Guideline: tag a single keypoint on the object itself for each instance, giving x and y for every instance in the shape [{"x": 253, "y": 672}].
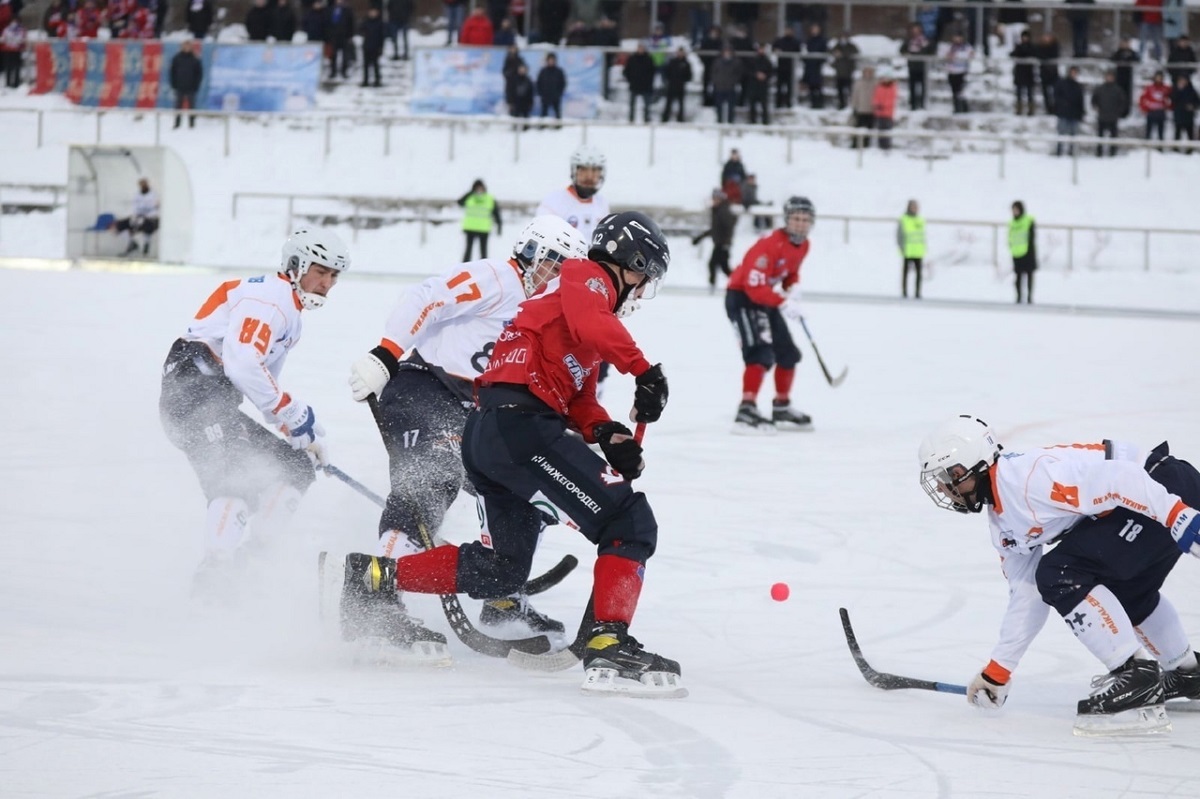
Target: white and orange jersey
[
  {"x": 1040, "y": 494},
  {"x": 583, "y": 215},
  {"x": 454, "y": 319},
  {"x": 250, "y": 325}
]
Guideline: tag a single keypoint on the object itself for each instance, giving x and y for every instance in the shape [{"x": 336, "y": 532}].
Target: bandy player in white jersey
[
  {"x": 581, "y": 203},
  {"x": 1120, "y": 520},
  {"x": 235, "y": 348},
  {"x": 436, "y": 341}
]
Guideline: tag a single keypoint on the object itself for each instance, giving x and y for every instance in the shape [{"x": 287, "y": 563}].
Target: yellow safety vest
[
  {"x": 478, "y": 213},
  {"x": 914, "y": 235},
  {"x": 1018, "y": 235}
]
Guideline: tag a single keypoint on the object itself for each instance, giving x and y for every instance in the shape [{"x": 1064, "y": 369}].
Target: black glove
[
  {"x": 651, "y": 395},
  {"x": 624, "y": 456}
]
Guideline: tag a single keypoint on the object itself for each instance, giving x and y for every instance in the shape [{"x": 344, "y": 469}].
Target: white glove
[
  {"x": 1186, "y": 531},
  {"x": 299, "y": 424},
  {"x": 791, "y": 308},
  {"x": 986, "y": 693},
  {"x": 368, "y": 375}
]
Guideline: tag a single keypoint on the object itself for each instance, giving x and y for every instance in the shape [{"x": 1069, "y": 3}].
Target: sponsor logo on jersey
[
  {"x": 610, "y": 476},
  {"x": 1107, "y": 619},
  {"x": 1034, "y": 532},
  {"x": 552, "y": 511},
  {"x": 577, "y": 491},
  {"x": 578, "y": 372},
  {"x": 573, "y": 221},
  {"x": 596, "y": 285},
  {"x": 1068, "y": 495}
]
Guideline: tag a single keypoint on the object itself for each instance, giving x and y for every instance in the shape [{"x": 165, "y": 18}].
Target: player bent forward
[
  {"x": 540, "y": 381},
  {"x": 1121, "y": 522}
]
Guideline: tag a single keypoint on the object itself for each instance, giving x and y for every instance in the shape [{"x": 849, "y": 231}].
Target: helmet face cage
[
  {"x": 793, "y": 220},
  {"x": 586, "y": 155},
  {"x": 961, "y": 449},
  {"x": 543, "y": 246}
]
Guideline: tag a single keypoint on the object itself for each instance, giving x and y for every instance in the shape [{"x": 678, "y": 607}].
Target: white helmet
[
  {"x": 307, "y": 247},
  {"x": 967, "y": 442},
  {"x": 541, "y": 248},
  {"x": 587, "y": 155}
]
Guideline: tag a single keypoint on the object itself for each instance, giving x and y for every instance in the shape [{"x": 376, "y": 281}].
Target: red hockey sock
[
  {"x": 783, "y": 384},
  {"x": 752, "y": 380},
  {"x": 432, "y": 572},
  {"x": 616, "y": 586}
]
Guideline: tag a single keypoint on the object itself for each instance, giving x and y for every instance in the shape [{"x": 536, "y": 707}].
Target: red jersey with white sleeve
[
  {"x": 558, "y": 339},
  {"x": 769, "y": 269},
  {"x": 250, "y": 325},
  {"x": 1040, "y": 494},
  {"x": 454, "y": 318}
]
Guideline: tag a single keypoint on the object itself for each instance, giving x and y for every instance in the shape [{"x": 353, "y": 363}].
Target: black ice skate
[
  {"x": 749, "y": 422},
  {"x": 1128, "y": 699},
  {"x": 1183, "y": 684},
  {"x": 516, "y": 608},
  {"x": 373, "y": 615},
  {"x": 786, "y": 417},
  {"x": 614, "y": 662}
]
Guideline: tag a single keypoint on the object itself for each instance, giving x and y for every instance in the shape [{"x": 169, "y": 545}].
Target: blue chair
[{"x": 103, "y": 222}]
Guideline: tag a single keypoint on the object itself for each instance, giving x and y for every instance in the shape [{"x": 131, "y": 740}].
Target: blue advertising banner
[
  {"x": 264, "y": 77},
  {"x": 111, "y": 74},
  {"x": 468, "y": 80}
]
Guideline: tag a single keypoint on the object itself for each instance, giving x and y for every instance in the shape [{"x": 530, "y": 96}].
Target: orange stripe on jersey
[
  {"x": 217, "y": 298},
  {"x": 1100, "y": 447},
  {"x": 996, "y": 673},
  {"x": 996, "y": 504},
  {"x": 392, "y": 347},
  {"x": 1179, "y": 506}
]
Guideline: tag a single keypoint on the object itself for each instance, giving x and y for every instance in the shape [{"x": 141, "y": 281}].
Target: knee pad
[
  {"x": 632, "y": 533},
  {"x": 1061, "y": 586},
  {"x": 483, "y": 574}
]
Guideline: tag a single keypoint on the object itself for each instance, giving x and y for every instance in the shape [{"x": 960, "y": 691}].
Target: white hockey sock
[
  {"x": 276, "y": 506},
  {"x": 397, "y": 544},
  {"x": 225, "y": 526},
  {"x": 1102, "y": 625},
  {"x": 1163, "y": 634}
]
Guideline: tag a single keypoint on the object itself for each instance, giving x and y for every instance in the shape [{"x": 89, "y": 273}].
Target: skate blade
[
  {"x": 651, "y": 685},
  {"x": 790, "y": 427},
  {"x": 551, "y": 661},
  {"x": 1136, "y": 721},
  {"x": 1184, "y": 705},
  {"x": 740, "y": 429},
  {"x": 381, "y": 652}
]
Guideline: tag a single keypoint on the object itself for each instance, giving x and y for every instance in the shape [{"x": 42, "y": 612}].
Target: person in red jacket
[
  {"x": 1155, "y": 102},
  {"x": 540, "y": 383},
  {"x": 756, "y": 301},
  {"x": 476, "y": 29}
]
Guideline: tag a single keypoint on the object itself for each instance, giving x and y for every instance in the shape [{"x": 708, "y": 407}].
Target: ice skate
[
  {"x": 1181, "y": 688},
  {"x": 785, "y": 417},
  {"x": 749, "y": 422},
  {"x": 615, "y": 663},
  {"x": 374, "y": 618},
  {"x": 1126, "y": 701},
  {"x": 515, "y": 609}
]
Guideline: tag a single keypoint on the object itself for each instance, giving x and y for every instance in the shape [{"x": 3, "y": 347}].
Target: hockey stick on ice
[
  {"x": 890, "y": 682},
  {"x": 543, "y": 582},
  {"x": 829, "y": 378}
]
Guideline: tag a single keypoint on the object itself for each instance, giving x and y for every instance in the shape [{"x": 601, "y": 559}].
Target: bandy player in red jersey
[
  {"x": 539, "y": 383},
  {"x": 756, "y": 301}
]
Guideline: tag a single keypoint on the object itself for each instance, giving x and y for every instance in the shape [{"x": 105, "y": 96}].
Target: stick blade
[
  {"x": 883, "y": 680},
  {"x": 837, "y": 381}
]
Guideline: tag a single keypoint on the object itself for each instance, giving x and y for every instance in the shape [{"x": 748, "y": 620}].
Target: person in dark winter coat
[
  {"x": 512, "y": 60},
  {"x": 1184, "y": 101},
  {"x": 678, "y": 74},
  {"x": 758, "y": 86},
  {"x": 710, "y": 48},
  {"x": 639, "y": 72},
  {"x": 187, "y": 73},
  {"x": 341, "y": 38},
  {"x": 1111, "y": 103},
  {"x": 1047, "y": 53},
  {"x": 1069, "y": 107},
  {"x": 1181, "y": 60},
  {"x": 518, "y": 93},
  {"x": 720, "y": 229},
  {"x": 1125, "y": 57},
  {"x": 816, "y": 52},
  {"x": 551, "y": 85},
  {"x": 399, "y": 15},
  {"x": 283, "y": 21},
  {"x": 258, "y": 21},
  {"x": 845, "y": 61},
  {"x": 916, "y": 45},
  {"x": 785, "y": 48},
  {"x": 200, "y": 17},
  {"x": 373, "y": 35},
  {"x": 1024, "y": 56},
  {"x": 726, "y": 76}
]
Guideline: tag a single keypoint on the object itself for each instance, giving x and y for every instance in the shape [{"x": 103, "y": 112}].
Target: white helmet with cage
[
  {"x": 306, "y": 247},
  {"x": 541, "y": 248},
  {"x": 959, "y": 449},
  {"x": 587, "y": 155}
]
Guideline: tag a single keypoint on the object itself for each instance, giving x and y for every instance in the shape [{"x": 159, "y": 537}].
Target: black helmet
[
  {"x": 633, "y": 241},
  {"x": 795, "y": 205}
]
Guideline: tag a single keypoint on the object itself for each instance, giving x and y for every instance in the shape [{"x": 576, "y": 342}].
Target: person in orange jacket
[{"x": 884, "y": 103}]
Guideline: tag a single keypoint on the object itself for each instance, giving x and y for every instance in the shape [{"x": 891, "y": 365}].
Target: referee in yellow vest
[
  {"x": 479, "y": 212},
  {"x": 910, "y": 236},
  {"x": 1022, "y": 243}
]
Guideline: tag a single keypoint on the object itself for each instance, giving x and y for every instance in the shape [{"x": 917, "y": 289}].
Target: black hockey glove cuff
[
  {"x": 650, "y": 397},
  {"x": 624, "y": 456},
  {"x": 387, "y": 359}
]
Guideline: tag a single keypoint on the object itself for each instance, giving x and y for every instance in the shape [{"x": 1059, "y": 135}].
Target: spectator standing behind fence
[
  {"x": 1124, "y": 58},
  {"x": 480, "y": 210},
  {"x": 518, "y": 93},
  {"x": 910, "y": 238},
  {"x": 476, "y": 30},
  {"x": 720, "y": 228},
  {"x": 1184, "y": 101},
  {"x": 455, "y": 12},
  {"x": 1069, "y": 108},
  {"x": 315, "y": 23},
  {"x": 786, "y": 47},
  {"x": 283, "y": 22},
  {"x": 200, "y": 15},
  {"x": 1023, "y": 57},
  {"x": 1022, "y": 244},
  {"x": 1111, "y": 103},
  {"x": 1148, "y": 16},
  {"x": 341, "y": 38},
  {"x": 1181, "y": 59},
  {"x": 512, "y": 60},
  {"x": 758, "y": 86},
  {"x": 958, "y": 63},
  {"x": 505, "y": 34},
  {"x": 639, "y": 72},
  {"x": 399, "y": 13},
  {"x": 726, "y": 76},
  {"x": 552, "y": 18},
  {"x": 258, "y": 21},
  {"x": 710, "y": 49},
  {"x": 1081, "y": 22},
  {"x": 862, "y": 105},
  {"x": 88, "y": 21},
  {"x": 373, "y": 35},
  {"x": 816, "y": 52},
  {"x": 186, "y": 74},
  {"x": 12, "y": 46},
  {"x": 1048, "y": 53},
  {"x": 845, "y": 60},
  {"x": 915, "y": 44},
  {"x": 677, "y": 75},
  {"x": 883, "y": 104},
  {"x": 551, "y": 86},
  {"x": 733, "y": 175},
  {"x": 1154, "y": 102}
]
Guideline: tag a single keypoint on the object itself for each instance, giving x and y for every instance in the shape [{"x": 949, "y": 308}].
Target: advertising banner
[
  {"x": 468, "y": 80},
  {"x": 263, "y": 77},
  {"x": 111, "y": 74}
]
